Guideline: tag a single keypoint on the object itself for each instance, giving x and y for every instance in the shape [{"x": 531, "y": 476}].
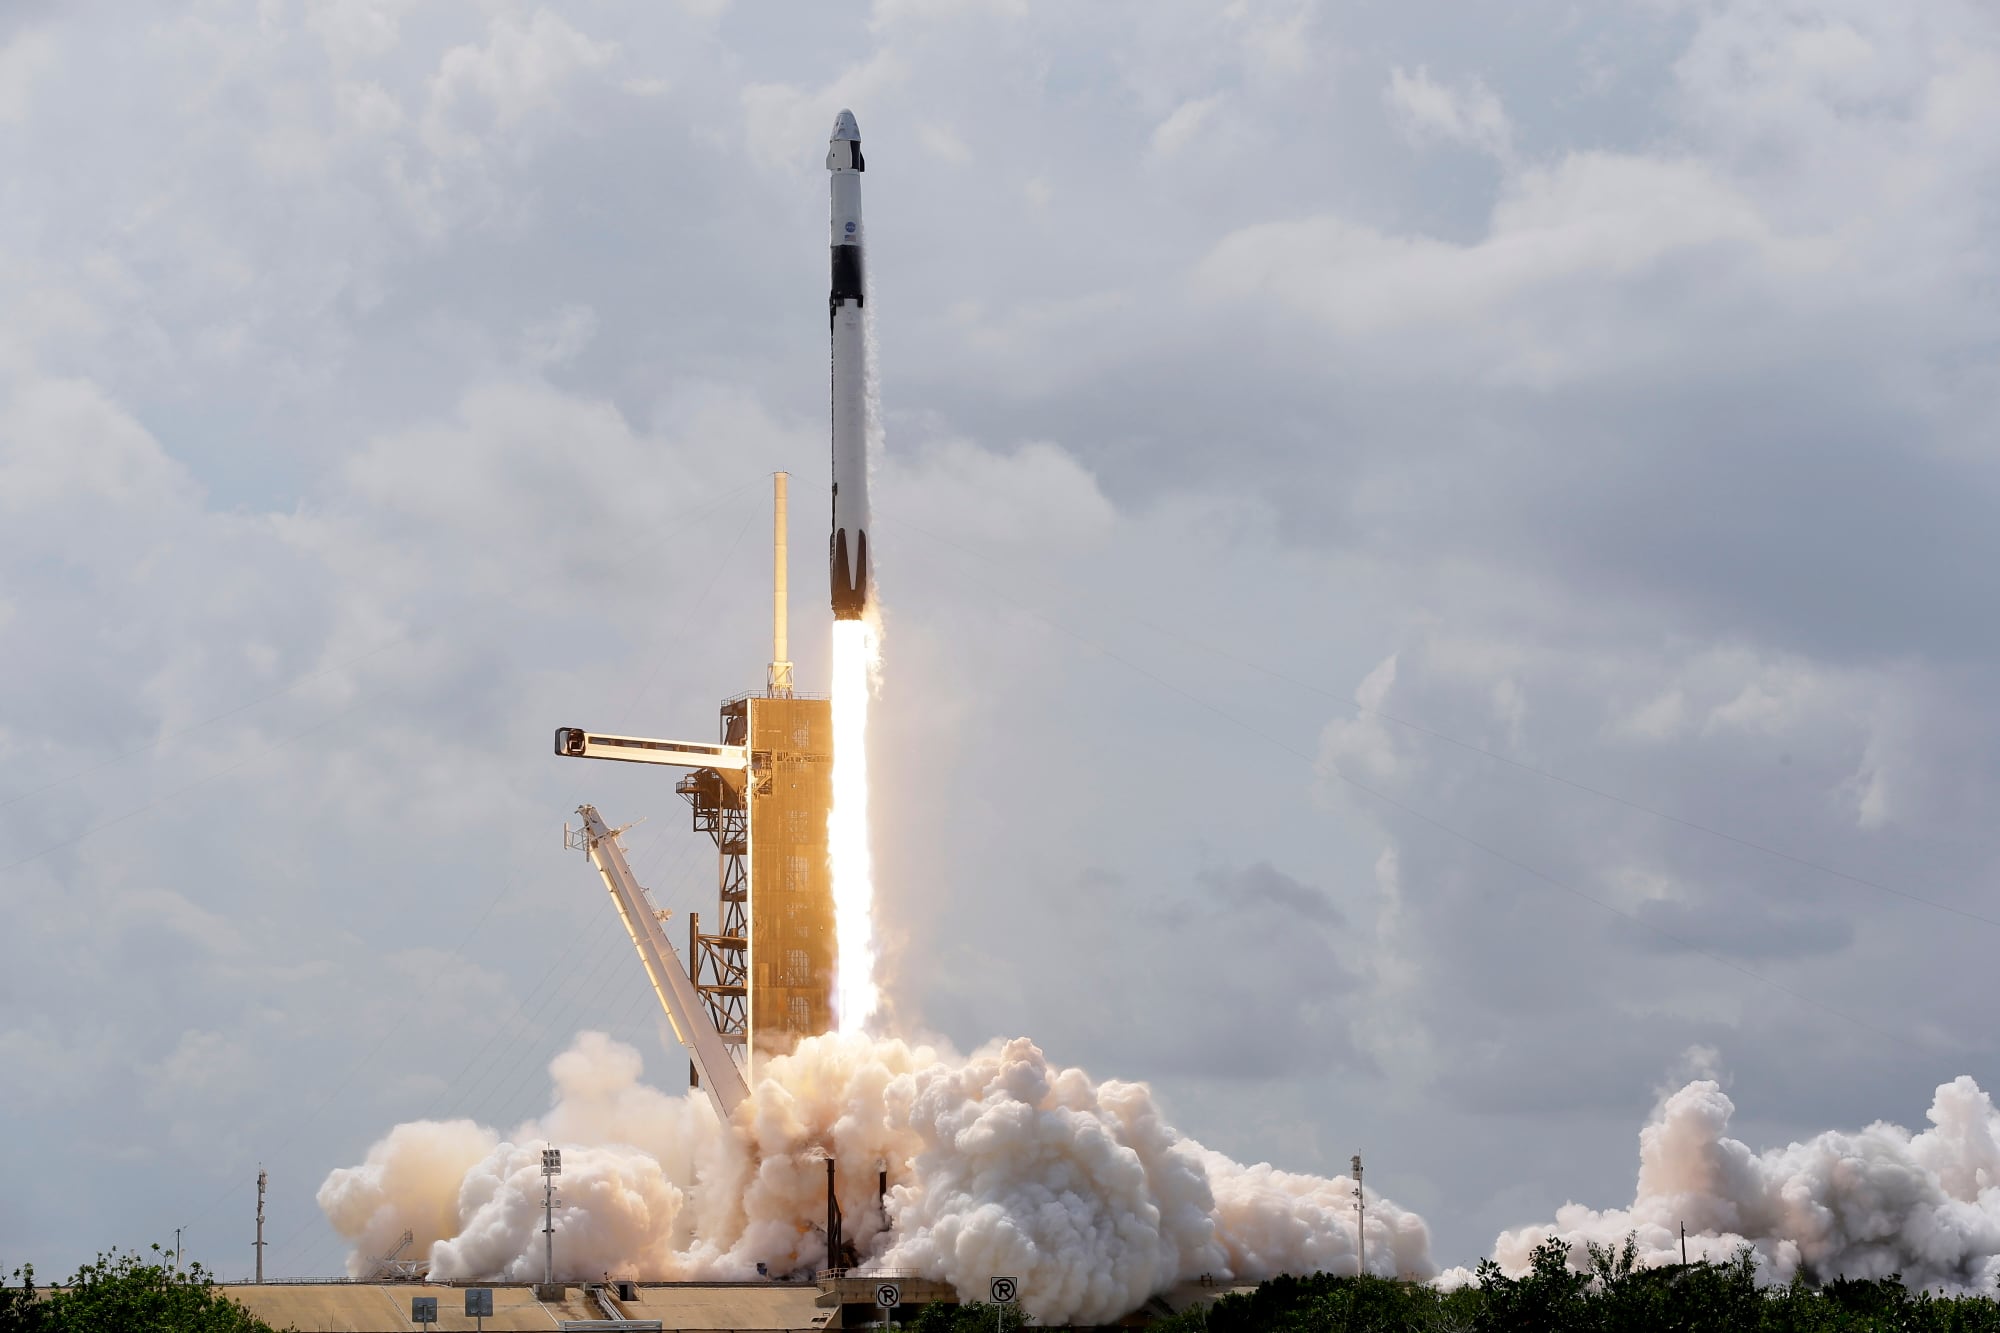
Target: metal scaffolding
[{"x": 722, "y": 961}]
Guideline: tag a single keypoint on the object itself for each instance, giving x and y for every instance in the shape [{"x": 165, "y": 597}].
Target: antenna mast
[
  {"x": 1360, "y": 1223},
  {"x": 779, "y": 681},
  {"x": 260, "y": 1224}
]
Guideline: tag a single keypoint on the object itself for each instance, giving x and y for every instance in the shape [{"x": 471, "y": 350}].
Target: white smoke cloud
[
  {"x": 1861, "y": 1204},
  {"x": 468, "y": 1197},
  {"x": 409, "y": 1182},
  {"x": 1000, "y": 1162}
]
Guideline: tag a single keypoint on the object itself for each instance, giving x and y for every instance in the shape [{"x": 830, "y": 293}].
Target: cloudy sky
[{"x": 1440, "y": 561}]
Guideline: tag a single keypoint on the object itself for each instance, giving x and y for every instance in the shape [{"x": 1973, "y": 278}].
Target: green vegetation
[
  {"x": 971, "y": 1317},
  {"x": 1616, "y": 1296},
  {"x": 126, "y": 1293}
]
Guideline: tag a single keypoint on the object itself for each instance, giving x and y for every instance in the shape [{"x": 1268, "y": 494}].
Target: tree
[
  {"x": 971, "y": 1317},
  {"x": 18, "y": 1307},
  {"x": 129, "y": 1293},
  {"x": 1614, "y": 1294}
]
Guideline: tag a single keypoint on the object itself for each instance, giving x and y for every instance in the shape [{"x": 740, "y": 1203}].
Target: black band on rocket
[{"x": 847, "y": 275}]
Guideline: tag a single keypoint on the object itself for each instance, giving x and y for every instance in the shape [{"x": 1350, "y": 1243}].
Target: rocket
[{"x": 847, "y": 551}]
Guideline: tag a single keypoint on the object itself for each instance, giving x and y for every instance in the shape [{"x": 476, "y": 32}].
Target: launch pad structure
[
  {"x": 763, "y": 794},
  {"x": 768, "y": 973}
]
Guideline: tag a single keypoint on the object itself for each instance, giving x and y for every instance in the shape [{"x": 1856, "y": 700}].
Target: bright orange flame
[{"x": 855, "y": 658}]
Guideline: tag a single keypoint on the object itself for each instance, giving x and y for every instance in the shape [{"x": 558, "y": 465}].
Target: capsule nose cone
[{"x": 845, "y": 129}]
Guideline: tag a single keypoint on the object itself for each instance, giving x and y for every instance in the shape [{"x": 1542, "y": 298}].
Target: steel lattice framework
[
  {"x": 721, "y": 961},
  {"x": 766, "y": 978}
]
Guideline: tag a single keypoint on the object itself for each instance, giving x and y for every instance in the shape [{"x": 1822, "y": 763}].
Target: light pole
[{"x": 551, "y": 1168}]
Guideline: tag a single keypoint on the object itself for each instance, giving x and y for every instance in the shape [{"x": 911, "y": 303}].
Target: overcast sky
[{"x": 1439, "y": 560}]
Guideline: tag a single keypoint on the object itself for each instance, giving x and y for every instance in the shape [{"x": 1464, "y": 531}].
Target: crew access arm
[{"x": 677, "y": 994}]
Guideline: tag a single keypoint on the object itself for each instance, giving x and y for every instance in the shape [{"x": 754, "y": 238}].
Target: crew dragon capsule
[{"x": 848, "y": 550}]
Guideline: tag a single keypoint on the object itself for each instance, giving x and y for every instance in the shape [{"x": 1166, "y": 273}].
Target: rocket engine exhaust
[{"x": 855, "y": 659}]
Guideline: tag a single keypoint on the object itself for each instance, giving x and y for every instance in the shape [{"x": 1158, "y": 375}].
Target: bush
[
  {"x": 127, "y": 1293},
  {"x": 1613, "y": 1295}
]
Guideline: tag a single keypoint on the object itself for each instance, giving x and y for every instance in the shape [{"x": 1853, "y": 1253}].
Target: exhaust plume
[
  {"x": 1000, "y": 1162},
  {"x": 857, "y": 669},
  {"x": 1859, "y": 1204},
  {"x": 856, "y": 659}
]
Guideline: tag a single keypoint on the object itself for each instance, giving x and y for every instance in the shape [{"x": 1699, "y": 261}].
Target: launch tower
[
  {"x": 768, "y": 974},
  {"x": 765, "y": 978}
]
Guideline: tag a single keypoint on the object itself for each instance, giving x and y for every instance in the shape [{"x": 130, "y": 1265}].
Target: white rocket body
[{"x": 848, "y": 550}]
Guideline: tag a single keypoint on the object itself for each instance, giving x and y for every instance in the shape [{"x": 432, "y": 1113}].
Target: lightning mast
[{"x": 778, "y": 681}]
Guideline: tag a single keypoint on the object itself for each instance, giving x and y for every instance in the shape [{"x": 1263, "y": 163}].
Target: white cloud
[
  {"x": 1768, "y": 702},
  {"x": 1873, "y": 804},
  {"x": 1184, "y": 125},
  {"x": 1277, "y": 35},
  {"x": 1601, "y": 219},
  {"x": 1364, "y": 747},
  {"x": 65, "y": 446},
  {"x": 58, "y": 1066},
  {"x": 559, "y": 338},
  {"x": 518, "y": 72},
  {"x": 1469, "y": 115},
  {"x": 368, "y": 109},
  {"x": 1037, "y": 495},
  {"x": 941, "y": 141},
  {"x": 783, "y": 122},
  {"x": 1660, "y": 717},
  {"x": 354, "y": 29},
  {"x": 889, "y": 13},
  {"x": 201, "y": 1065},
  {"x": 162, "y": 912},
  {"x": 24, "y": 61}
]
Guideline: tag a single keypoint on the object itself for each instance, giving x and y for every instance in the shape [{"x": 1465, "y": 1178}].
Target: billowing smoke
[
  {"x": 998, "y": 1163},
  {"x": 1864, "y": 1204},
  {"x": 469, "y": 1196}
]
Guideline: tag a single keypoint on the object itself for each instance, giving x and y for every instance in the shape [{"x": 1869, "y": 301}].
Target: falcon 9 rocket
[{"x": 848, "y": 550}]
